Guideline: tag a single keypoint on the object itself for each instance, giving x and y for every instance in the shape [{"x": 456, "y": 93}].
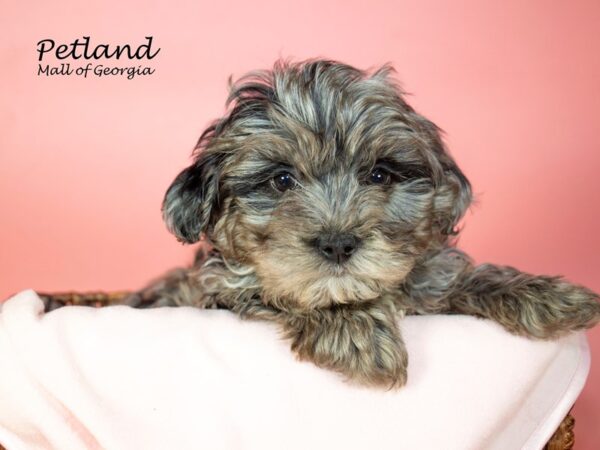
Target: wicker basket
[{"x": 562, "y": 439}]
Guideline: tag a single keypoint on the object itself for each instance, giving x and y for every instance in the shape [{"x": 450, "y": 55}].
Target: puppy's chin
[{"x": 309, "y": 284}]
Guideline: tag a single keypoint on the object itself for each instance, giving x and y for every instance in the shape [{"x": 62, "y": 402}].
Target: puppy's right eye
[
  {"x": 283, "y": 181},
  {"x": 379, "y": 176}
]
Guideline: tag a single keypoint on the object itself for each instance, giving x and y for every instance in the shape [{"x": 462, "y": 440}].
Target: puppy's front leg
[
  {"x": 537, "y": 306},
  {"x": 361, "y": 341}
]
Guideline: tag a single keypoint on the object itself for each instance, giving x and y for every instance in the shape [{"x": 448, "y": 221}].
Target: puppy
[{"x": 330, "y": 206}]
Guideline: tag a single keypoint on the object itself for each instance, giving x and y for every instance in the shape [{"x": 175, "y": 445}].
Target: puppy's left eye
[
  {"x": 379, "y": 176},
  {"x": 283, "y": 181}
]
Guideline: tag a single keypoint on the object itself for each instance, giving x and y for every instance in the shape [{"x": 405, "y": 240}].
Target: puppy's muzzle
[{"x": 337, "y": 247}]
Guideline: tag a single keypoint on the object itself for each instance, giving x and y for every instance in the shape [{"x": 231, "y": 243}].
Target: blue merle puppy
[{"x": 328, "y": 205}]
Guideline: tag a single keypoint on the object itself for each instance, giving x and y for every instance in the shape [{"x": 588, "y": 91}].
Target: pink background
[{"x": 84, "y": 163}]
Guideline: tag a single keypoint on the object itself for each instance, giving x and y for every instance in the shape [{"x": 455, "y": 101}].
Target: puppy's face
[{"x": 323, "y": 181}]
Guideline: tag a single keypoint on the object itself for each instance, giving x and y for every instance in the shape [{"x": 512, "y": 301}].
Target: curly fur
[{"x": 329, "y": 125}]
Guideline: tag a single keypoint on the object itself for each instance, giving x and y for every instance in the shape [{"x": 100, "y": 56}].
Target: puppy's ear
[
  {"x": 192, "y": 199},
  {"x": 453, "y": 190},
  {"x": 454, "y": 199}
]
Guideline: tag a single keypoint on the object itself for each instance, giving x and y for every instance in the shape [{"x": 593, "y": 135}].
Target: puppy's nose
[{"x": 337, "y": 248}]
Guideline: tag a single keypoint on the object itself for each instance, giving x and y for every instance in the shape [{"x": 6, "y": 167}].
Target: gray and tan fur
[{"x": 330, "y": 206}]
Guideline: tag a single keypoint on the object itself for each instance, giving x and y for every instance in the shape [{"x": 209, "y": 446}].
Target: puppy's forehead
[{"x": 325, "y": 123}]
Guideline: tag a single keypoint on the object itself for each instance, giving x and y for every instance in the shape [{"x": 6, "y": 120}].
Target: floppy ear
[
  {"x": 192, "y": 199},
  {"x": 453, "y": 189},
  {"x": 460, "y": 197}
]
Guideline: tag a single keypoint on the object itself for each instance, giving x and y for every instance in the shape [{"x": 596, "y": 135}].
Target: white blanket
[{"x": 182, "y": 378}]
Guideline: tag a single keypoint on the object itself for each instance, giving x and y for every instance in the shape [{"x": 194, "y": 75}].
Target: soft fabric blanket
[{"x": 182, "y": 378}]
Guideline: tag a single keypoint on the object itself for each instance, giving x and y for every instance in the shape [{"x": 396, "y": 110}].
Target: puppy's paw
[
  {"x": 360, "y": 342},
  {"x": 567, "y": 307},
  {"x": 540, "y": 307},
  {"x": 549, "y": 307}
]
